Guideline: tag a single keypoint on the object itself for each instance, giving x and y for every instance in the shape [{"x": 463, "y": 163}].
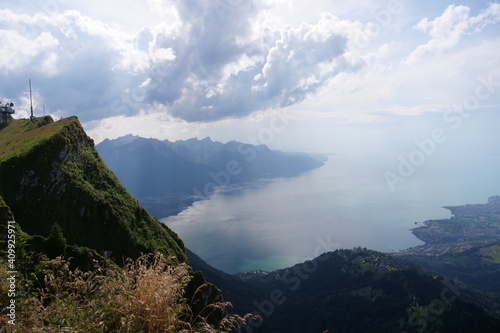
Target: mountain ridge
[
  {"x": 62, "y": 195},
  {"x": 353, "y": 290},
  {"x": 81, "y": 248},
  {"x": 55, "y": 168},
  {"x": 169, "y": 176}
]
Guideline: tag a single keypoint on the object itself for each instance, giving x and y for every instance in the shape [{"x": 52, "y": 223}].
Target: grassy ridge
[
  {"x": 20, "y": 136},
  {"x": 51, "y": 173},
  {"x": 72, "y": 215}
]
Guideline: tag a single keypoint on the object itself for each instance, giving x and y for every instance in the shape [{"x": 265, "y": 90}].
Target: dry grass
[{"x": 146, "y": 296}]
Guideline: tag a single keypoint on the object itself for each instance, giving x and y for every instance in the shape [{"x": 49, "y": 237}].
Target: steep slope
[
  {"x": 236, "y": 291},
  {"x": 356, "y": 290},
  {"x": 51, "y": 173},
  {"x": 5, "y": 213},
  {"x": 154, "y": 173},
  {"x": 168, "y": 176},
  {"x": 147, "y": 167},
  {"x": 363, "y": 291}
]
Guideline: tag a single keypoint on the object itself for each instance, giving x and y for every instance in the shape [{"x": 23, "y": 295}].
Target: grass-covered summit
[
  {"x": 71, "y": 215},
  {"x": 51, "y": 173}
]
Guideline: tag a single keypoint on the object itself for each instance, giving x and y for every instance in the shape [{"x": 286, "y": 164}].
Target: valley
[{"x": 87, "y": 249}]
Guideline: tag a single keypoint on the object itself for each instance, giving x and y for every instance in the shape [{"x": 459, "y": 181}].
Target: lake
[{"x": 343, "y": 204}]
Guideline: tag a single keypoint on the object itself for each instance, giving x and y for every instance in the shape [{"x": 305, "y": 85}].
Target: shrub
[{"x": 147, "y": 295}]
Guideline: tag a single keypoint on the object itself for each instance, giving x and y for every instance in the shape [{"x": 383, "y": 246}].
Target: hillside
[
  {"x": 465, "y": 247},
  {"x": 76, "y": 238},
  {"x": 356, "y": 291},
  {"x": 51, "y": 173},
  {"x": 168, "y": 176},
  {"x": 65, "y": 201}
]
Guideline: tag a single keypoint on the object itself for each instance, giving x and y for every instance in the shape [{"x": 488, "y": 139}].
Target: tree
[{"x": 56, "y": 242}]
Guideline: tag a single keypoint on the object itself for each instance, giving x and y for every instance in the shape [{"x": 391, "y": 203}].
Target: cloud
[
  {"x": 490, "y": 15},
  {"x": 221, "y": 74},
  {"x": 19, "y": 51},
  {"x": 447, "y": 30},
  {"x": 214, "y": 60},
  {"x": 206, "y": 60},
  {"x": 76, "y": 63}
]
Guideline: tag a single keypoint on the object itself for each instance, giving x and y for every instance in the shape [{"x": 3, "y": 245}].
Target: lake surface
[{"x": 343, "y": 204}]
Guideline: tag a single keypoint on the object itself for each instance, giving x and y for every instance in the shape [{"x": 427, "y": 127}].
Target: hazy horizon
[
  {"x": 342, "y": 204},
  {"x": 293, "y": 76},
  {"x": 406, "y": 91}
]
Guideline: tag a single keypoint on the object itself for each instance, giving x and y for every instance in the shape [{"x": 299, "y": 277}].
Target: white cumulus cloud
[{"x": 447, "y": 30}]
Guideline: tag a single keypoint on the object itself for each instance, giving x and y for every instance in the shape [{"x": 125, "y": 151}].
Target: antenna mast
[{"x": 31, "y": 101}]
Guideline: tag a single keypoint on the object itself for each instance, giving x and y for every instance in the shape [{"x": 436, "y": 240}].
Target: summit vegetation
[
  {"x": 88, "y": 257},
  {"x": 51, "y": 173}
]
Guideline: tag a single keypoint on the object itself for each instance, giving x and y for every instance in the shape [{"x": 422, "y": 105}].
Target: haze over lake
[{"x": 343, "y": 204}]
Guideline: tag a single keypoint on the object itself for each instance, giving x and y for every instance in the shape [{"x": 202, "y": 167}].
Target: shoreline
[{"x": 470, "y": 225}]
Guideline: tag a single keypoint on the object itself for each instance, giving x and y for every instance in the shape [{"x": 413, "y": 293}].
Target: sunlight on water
[{"x": 344, "y": 204}]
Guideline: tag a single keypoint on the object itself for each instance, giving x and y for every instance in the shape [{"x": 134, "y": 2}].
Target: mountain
[
  {"x": 78, "y": 253},
  {"x": 253, "y": 162},
  {"x": 65, "y": 205},
  {"x": 148, "y": 166},
  {"x": 168, "y": 176},
  {"x": 356, "y": 290},
  {"x": 51, "y": 174}
]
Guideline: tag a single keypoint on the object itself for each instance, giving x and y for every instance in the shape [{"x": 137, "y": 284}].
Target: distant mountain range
[
  {"x": 58, "y": 198},
  {"x": 62, "y": 213},
  {"x": 168, "y": 176}
]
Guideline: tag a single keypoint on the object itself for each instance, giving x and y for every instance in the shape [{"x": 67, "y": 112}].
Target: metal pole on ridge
[{"x": 31, "y": 101}]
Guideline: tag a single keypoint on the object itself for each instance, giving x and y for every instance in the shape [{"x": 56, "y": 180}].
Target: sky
[{"x": 295, "y": 75}]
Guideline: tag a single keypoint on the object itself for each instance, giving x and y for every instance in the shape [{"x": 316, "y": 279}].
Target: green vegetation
[
  {"x": 491, "y": 254},
  {"x": 55, "y": 243},
  {"x": 5, "y": 213},
  {"x": 80, "y": 268},
  {"x": 469, "y": 226},
  {"x": 20, "y": 136},
  {"x": 356, "y": 290},
  {"x": 79, "y": 236},
  {"x": 478, "y": 266},
  {"x": 464, "y": 247},
  {"x": 361, "y": 290},
  {"x": 51, "y": 172},
  {"x": 147, "y": 295}
]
